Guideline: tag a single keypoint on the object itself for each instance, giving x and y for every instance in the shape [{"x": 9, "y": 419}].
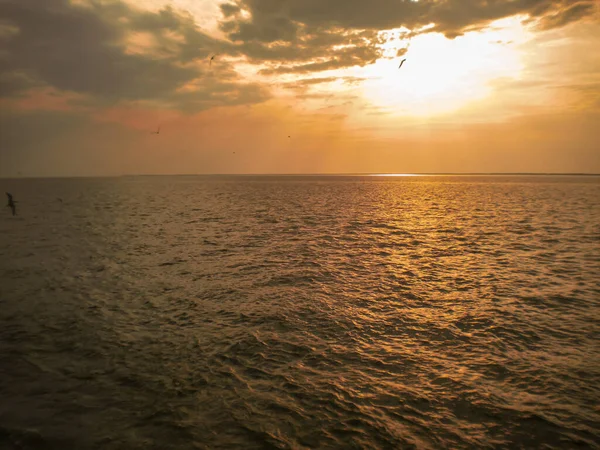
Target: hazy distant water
[{"x": 249, "y": 312}]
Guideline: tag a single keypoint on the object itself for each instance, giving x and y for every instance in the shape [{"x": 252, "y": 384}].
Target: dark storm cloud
[
  {"x": 298, "y": 31},
  {"x": 83, "y": 49}
]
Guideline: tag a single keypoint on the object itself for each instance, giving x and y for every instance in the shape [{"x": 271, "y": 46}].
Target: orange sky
[{"x": 502, "y": 86}]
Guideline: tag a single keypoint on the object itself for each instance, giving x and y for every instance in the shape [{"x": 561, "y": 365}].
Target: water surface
[{"x": 301, "y": 312}]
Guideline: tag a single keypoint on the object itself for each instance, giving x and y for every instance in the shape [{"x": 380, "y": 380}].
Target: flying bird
[
  {"x": 156, "y": 132},
  {"x": 11, "y": 204},
  {"x": 211, "y": 59},
  {"x": 401, "y": 62}
]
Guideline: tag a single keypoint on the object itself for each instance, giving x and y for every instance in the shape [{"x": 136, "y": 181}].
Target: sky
[{"x": 298, "y": 86}]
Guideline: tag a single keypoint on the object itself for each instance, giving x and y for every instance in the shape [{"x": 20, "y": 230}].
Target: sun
[{"x": 441, "y": 75}]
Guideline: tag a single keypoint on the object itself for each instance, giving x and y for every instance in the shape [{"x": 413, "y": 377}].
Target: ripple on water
[{"x": 301, "y": 313}]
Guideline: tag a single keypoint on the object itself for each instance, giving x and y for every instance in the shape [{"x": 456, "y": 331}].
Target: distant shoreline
[{"x": 391, "y": 175}]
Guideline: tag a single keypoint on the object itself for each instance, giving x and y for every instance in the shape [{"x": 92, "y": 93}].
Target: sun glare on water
[
  {"x": 442, "y": 75},
  {"x": 396, "y": 175}
]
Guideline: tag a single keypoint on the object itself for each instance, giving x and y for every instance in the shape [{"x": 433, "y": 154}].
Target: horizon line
[{"x": 327, "y": 174}]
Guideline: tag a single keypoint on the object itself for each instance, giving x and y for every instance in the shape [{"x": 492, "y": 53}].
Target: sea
[{"x": 301, "y": 312}]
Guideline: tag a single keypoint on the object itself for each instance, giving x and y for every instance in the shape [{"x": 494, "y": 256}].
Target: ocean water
[{"x": 434, "y": 312}]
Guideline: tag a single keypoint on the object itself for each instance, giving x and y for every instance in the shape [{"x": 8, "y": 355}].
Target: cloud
[
  {"x": 112, "y": 52},
  {"x": 304, "y": 88},
  {"x": 15, "y": 83},
  {"x": 310, "y": 45},
  {"x": 345, "y": 80},
  {"x": 229, "y": 10},
  {"x": 318, "y": 15},
  {"x": 346, "y": 58},
  {"x": 315, "y": 35},
  {"x": 567, "y": 15}
]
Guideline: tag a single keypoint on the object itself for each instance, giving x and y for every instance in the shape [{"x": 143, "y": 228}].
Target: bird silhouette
[
  {"x": 211, "y": 59},
  {"x": 401, "y": 62},
  {"x": 156, "y": 132},
  {"x": 11, "y": 204}
]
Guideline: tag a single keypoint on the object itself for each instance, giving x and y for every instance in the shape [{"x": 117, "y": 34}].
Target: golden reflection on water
[
  {"x": 333, "y": 313},
  {"x": 396, "y": 175}
]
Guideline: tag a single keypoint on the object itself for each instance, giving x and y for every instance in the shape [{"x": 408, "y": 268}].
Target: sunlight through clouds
[
  {"x": 441, "y": 75},
  {"x": 325, "y": 72}
]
